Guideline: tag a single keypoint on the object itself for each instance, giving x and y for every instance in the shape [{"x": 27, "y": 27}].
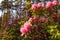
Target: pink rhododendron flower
[
  {"x": 39, "y": 5},
  {"x": 44, "y": 20},
  {"x": 17, "y": 19},
  {"x": 23, "y": 31},
  {"x": 27, "y": 26},
  {"x": 49, "y": 4},
  {"x": 55, "y": 3},
  {"x": 10, "y": 23},
  {"x": 55, "y": 0},
  {"x": 54, "y": 16},
  {"x": 14, "y": 24},
  {"x": 34, "y": 7},
  {"x": 31, "y": 19}
]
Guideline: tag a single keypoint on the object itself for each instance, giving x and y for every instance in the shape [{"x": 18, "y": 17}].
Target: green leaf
[{"x": 52, "y": 26}]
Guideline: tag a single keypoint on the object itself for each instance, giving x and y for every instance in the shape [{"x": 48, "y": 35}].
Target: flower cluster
[
  {"x": 11, "y": 24},
  {"x": 48, "y": 5},
  {"x": 36, "y": 6},
  {"x": 36, "y": 28},
  {"x": 24, "y": 30},
  {"x": 41, "y": 20},
  {"x": 16, "y": 19},
  {"x": 54, "y": 16}
]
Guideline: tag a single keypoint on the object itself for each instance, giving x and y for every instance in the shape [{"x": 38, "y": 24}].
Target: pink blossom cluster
[
  {"x": 54, "y": 16},
  {"x": 11, "y": 24},
  {"x": 36, "y": 20},
  {"x": 33, "y": 19},
  {"x": 44, "y": 20},
  {"x": 41, "y": 20},
  {"x": 24, "y": 30},
  {"x": 16, "y": 19},
  {"x": 36, "y": 6},
  {"x": 48, "y": 5}
]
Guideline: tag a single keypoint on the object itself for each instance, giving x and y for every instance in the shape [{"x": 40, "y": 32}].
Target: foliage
[{"x": 44, "y": 24}]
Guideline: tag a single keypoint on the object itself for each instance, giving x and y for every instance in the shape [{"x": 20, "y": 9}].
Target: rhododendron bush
[{"x": 44, "y": 24}]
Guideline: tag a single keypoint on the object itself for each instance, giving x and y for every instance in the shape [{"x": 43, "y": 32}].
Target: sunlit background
[
  {"x": 1, "y": 10},
  {"x": 13, "y": 11}
]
